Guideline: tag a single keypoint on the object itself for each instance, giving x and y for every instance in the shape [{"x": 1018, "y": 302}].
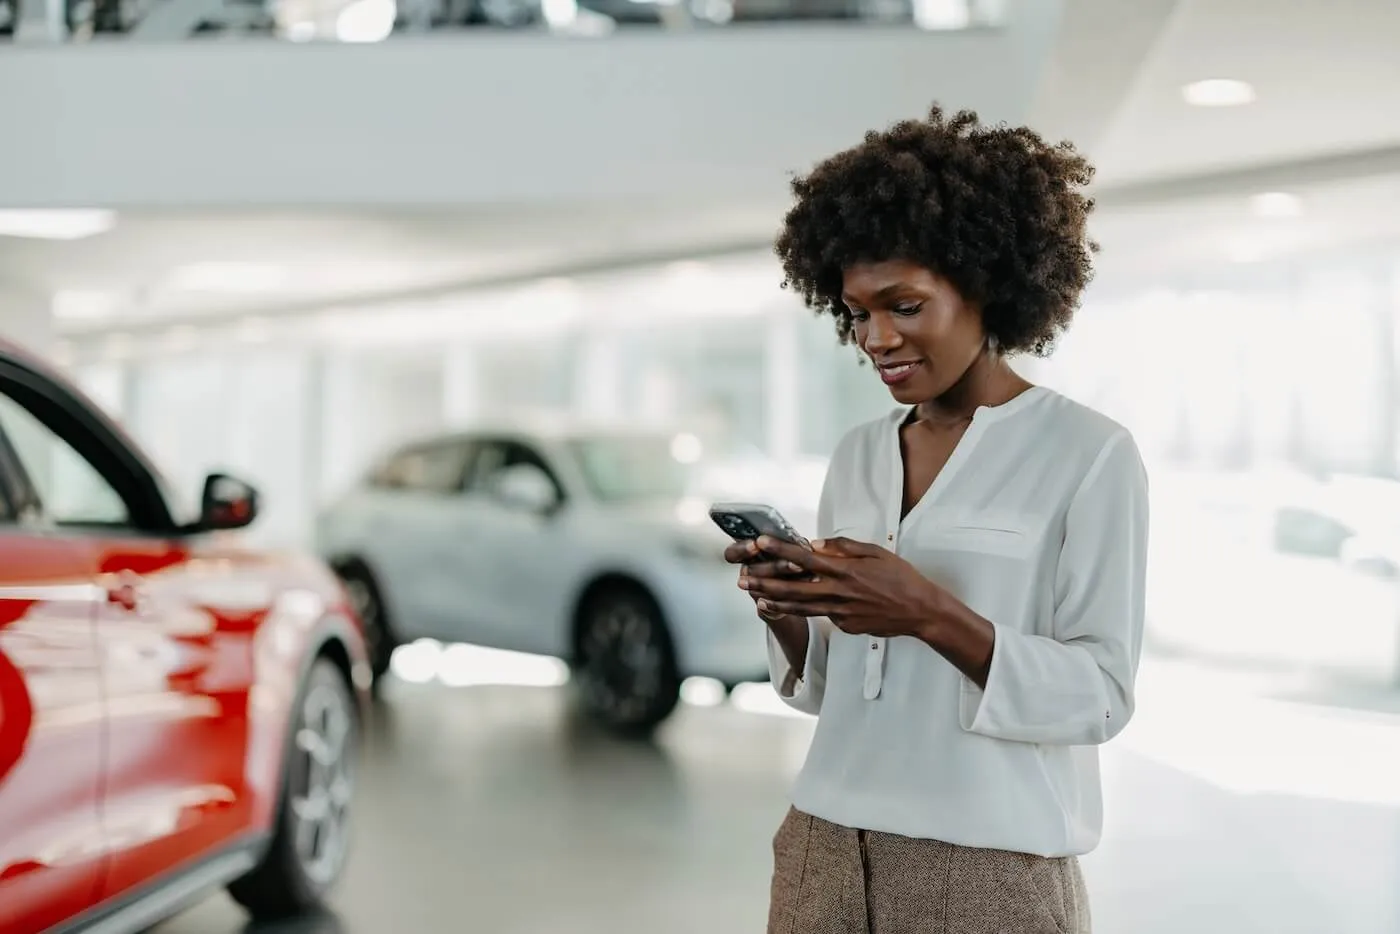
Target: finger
[
  {"x": 774, "y": 569},
  {"x": 847, "y": 547},
  {"x": 741, "y": 552},
  {"x": 790, "y": 589},
  {"x": 802, "y": 557},
  {"x": 768, "y": 612},
  {"x": 790, "y": 608}
]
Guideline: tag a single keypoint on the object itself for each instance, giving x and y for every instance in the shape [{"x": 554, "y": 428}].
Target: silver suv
[{"x": 590, "y": 545}]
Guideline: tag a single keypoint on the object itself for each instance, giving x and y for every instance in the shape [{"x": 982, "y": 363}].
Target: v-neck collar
[{"x": 981, "y": 418}]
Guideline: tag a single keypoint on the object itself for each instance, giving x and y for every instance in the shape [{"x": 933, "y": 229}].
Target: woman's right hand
[{"x": 754, "y": 563}]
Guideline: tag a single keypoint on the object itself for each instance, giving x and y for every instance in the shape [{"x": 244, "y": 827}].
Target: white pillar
[
  {"x": 782, "y": 389},
  {"x": 461, "y": 385},
  {"x": 346, "y": 436},
  {"x": 26, "y": 319},
  {"x": 598, "y": 387}
]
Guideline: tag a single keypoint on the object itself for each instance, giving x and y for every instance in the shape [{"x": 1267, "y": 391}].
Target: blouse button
[
  {"x": 874, "y": 645},
  {"x": 889, "y": 537}
]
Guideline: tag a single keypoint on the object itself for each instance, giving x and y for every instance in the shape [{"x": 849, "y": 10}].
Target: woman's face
[{"x": 916, "y": 328}]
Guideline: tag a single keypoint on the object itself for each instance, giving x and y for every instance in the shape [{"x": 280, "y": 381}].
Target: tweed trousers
[{"x": 829, "y": 879}]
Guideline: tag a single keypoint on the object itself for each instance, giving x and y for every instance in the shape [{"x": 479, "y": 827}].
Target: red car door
[
  {"x": 179, "y": 669},
  {"x": 53, "y": 844},
  {"x": 175, "y": 682}
]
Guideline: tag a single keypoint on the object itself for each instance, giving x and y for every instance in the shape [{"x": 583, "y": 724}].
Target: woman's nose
[{"x": 881, "y": 334}]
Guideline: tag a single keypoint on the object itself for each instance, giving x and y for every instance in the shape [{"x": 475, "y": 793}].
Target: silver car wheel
[
  {"x": 625, "y": 669},
  {"x": 320, "y": 809}
]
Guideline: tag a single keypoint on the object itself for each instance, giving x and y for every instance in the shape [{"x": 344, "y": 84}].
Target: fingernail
[
  {"x": 743, "y": 583},
  {"x": 794, "y": 567},
  {"x": 762, "y": 605},
  {"x": 818, "y": 543},
  {"x": 764, "y": 541}
]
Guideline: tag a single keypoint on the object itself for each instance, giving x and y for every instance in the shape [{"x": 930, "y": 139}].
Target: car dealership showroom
[{"x": 387, "y": 388}]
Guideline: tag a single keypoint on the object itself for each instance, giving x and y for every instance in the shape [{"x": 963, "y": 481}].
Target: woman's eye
[
  {"x": 907, "y": 310},
  {"x": 859, "y": 315}
]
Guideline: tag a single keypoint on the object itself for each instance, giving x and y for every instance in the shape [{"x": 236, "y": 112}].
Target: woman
[{"x": 967, "y": 629}]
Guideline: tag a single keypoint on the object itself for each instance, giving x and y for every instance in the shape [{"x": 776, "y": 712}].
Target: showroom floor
[{"x": 489, "y": 808}]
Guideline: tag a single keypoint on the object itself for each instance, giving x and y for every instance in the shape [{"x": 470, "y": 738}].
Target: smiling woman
[{"x": 968, "y": 623}]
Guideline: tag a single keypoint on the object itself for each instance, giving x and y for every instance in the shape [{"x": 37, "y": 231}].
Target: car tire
[
  {"x": 311, "y": 837},
  {"x": 625, "y": 665},
  {"x": 368, "y": 603}
]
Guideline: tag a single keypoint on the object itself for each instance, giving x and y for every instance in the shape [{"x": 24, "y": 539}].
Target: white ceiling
[
  {"x": 1326, "y": 72},
  {"x": 290, "y": 260},
  {"x": 1173, "y": 182}
]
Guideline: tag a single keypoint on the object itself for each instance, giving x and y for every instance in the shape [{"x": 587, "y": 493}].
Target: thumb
[{"x": 843, "y": 546}]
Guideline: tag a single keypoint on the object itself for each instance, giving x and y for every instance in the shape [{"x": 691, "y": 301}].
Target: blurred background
[{"x": 326, "y": 243}]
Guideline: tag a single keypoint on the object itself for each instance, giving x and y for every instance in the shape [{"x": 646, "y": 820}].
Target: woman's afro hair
[{"x": 996, "y": 211}]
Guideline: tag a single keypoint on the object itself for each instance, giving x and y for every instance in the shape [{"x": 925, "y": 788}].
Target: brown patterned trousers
[{"x": 829, "y": 879}]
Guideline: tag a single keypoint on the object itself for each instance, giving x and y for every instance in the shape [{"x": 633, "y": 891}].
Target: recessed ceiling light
[
  {"x": 63, "y": 224},
  {"x": 1218, "y": 92},
  {"x": 1273, "y": 204}
]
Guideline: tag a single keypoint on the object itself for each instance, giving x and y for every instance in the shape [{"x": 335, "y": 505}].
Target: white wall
[
  {"x": 485, "y": 118},
  {"x": 25, "y": 318}
]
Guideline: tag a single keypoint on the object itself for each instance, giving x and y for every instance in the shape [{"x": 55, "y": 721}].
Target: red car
[{"x": 177, "y": 713}]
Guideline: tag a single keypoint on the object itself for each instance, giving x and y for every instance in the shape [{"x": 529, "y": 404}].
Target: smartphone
[{"x": 745, "y": 521}]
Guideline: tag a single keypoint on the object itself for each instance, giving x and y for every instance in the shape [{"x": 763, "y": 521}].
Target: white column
[
  {"x": 782, "y": 386},
  {"x": 345, "y": 434},
  {"x": 26, "y": 318},
  {"x": 598, "y": 387},
  {"x": 461, "y": 385}
]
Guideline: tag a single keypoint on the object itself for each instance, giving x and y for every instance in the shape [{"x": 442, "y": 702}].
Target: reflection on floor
[{"x": 490, "y": 808}]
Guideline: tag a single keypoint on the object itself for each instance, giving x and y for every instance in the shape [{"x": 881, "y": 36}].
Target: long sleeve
[
  {"x": 805, "y": 693},
  {"x": 1077, "y": 687}
]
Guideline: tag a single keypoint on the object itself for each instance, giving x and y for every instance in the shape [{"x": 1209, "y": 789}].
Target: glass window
[
  {"x": 497, "y": 456},
  {"x": 72, "y": 491},
  {"x": 437, "y": 468},
  {"x": 638, "y": 467},
  {"x": 1308, "y": 533}
]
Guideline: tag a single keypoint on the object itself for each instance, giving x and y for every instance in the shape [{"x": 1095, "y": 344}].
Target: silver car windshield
[{"x": 638, "y": 468}]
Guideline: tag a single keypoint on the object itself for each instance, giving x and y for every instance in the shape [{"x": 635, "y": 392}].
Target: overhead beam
[
  {"x": 376, "y": 301},
  {"x": 1290, "y": 175}
]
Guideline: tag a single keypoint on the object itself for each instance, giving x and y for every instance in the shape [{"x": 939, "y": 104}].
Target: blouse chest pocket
[{"x": 1002, "y": 535}]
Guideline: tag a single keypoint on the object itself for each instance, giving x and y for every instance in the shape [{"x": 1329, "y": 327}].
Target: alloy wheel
[
  {"x": 623, "y": 660},
  {"x": 321, "y": 806}
]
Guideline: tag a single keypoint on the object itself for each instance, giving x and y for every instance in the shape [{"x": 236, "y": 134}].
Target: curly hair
[{"x": 996, "y": 211}]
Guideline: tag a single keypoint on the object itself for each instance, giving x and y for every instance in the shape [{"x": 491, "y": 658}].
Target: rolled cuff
[
  {"x": 1041, "y": 691},
  {"x": 801, "y": 692}
]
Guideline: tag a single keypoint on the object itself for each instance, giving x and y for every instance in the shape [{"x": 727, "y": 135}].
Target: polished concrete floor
[{"x": 1232, "y": 810}]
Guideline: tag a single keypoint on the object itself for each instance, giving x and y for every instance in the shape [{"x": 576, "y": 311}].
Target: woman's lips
[{"x": 893, "y": 373}]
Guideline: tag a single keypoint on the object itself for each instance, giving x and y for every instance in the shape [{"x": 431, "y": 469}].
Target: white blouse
[{"x": 1039, "y": 524}]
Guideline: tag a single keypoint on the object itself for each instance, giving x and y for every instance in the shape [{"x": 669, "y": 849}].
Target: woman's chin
[{"x": 907, "y": 393}]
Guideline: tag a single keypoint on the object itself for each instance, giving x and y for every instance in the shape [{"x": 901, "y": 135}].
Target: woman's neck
[{"x": 990, "y": 381}]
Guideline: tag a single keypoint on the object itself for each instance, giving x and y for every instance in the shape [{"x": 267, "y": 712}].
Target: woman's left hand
[{"x": 861, "y": 588}]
